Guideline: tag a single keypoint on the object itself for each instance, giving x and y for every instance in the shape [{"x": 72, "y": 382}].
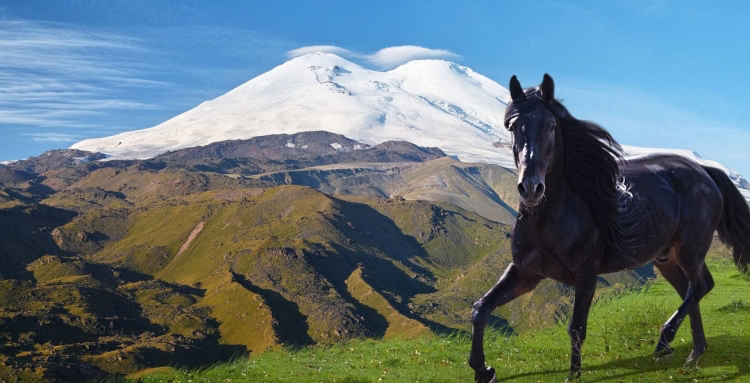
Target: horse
[{"x": 584, "y": 210}]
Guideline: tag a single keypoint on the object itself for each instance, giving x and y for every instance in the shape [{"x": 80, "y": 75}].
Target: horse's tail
[{"x": 734, "y": 227}]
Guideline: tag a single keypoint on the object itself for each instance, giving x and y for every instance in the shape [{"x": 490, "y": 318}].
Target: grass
[{"x": 622, "y": 334}]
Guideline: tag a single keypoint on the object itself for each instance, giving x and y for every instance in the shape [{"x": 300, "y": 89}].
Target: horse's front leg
[
  {"x": 585, "y": 288},
  {"x": 512, "y": 284}
]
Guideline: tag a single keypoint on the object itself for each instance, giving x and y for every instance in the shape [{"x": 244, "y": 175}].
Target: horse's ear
[
  {"x": 548, "y": 88},
  {"x": 516, "y": 92}
]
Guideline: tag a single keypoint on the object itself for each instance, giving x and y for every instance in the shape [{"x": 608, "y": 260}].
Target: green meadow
[{"x": 623, "y": 329}]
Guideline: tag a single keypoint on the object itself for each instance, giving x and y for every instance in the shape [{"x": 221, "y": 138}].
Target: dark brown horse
[{"x": 584, "y": 211}]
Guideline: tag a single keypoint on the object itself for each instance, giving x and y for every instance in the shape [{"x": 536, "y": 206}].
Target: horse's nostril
[
  {"x": 521, "y": 190},
  {"x": 539, "y": 189}
]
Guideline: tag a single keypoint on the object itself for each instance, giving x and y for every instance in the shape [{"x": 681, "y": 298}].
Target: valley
[
  {"x": 318, "y": 203},
  {"x": 200, "y": 255}
]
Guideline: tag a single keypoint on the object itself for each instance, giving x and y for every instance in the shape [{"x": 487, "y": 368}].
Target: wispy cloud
[
  {"x": 386, "y": 58},
  {"x": 53, "y": 137},
  {"x": 52, "y": 75}
]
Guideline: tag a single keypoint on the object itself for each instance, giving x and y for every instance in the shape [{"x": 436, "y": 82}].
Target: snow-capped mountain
[{"x": 430, "y": 103}]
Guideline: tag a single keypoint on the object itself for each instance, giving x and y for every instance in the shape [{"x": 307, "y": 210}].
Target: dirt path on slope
[{"x": 196, "y": 230}]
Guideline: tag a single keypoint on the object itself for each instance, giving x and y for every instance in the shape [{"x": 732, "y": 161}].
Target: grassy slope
[
  {"x": 314, "y": 268},
  {"x": 622, "y": 332},
  {"x": 286, "y": 265},
  {"x": 478, "y": 188},
  {"x": 124, "y": 288},
  {"x": 268, "y": 267},
  {"x": 398, "y": 324}
]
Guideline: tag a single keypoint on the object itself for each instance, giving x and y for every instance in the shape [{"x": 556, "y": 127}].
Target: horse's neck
[{"x": 558, "y": 196}]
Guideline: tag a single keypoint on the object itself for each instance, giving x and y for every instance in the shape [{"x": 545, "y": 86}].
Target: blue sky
[{"x": 655, "y": 73}]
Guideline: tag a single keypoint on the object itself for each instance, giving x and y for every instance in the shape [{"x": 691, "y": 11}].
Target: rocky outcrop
[{"x": 54, "y": 159}]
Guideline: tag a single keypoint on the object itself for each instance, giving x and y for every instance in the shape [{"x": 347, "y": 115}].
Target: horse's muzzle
[{"x": 531, "y": 191}]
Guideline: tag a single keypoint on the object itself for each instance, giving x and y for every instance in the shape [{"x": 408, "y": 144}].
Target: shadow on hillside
[
  {"x": 23, "y": 333},
  {"x": 500, "y": 325},
  {"x": 39, "y": 189},
  {"x": 290, "y": 324},
  {"x": 336, "y": 271},
  {"x": 129, "y": 275},
  {"x": 398, "y": 289},
  {"x": 207, "y": 353},
  {"x": 198, "y": 356},
  {"x": 368, "y": 229},
  {"x": 26, "y": 235}
]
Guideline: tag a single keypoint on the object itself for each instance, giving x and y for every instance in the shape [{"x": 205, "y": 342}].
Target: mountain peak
[
  {"x": 433, "y": 103},
  {"x": 319, "y": 58}
]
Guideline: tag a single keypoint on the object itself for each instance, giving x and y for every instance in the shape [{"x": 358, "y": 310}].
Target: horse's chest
[
  {"x": 555, "y": 249},
  {"x": 545, "y": 263},
  {"x": 555, "y": 233}
]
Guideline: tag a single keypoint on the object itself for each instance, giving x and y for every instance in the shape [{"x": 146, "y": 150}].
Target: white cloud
[
  {"x": 53, "y": 75},
  {"x": 386, "y": 58},
  {"x": 321, "y": 48},
  {"x": 392, "y": 57},
  {"x": 53, "y": 137}
]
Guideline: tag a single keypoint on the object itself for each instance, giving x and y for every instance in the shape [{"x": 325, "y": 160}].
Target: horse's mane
[{"x": 592, "y": 160}]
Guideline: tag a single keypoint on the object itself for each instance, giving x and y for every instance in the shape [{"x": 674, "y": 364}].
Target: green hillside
[
  {"x": 111, "y": 268},
  {"x": 120, "y": 284},
  {"x": 623, "y": 329}
]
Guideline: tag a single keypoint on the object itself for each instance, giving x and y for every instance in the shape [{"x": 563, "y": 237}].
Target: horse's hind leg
[
  {"x": 511, "y": 285},
  {"x": 672, "y": 272},
  {"x": 696, "y": 323},
  {"x": 692, "y": 280}
]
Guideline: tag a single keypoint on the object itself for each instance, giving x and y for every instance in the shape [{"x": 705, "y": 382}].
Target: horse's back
[
  {"x": 682, "y": 177},
  {"x": 680, "y": 201}
]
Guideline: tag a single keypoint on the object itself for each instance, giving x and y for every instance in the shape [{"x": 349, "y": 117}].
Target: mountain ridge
[{"x": 430, "y": 103}]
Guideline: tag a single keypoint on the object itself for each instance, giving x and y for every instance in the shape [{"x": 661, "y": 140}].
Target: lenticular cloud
[
  {"x": 392, "y": 57},
  {"x": 343, "y": 52},
  {"x": 386, "y": 58}
]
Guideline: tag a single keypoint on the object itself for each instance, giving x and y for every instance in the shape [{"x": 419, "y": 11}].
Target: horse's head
[{"x": 533, "y": 128}]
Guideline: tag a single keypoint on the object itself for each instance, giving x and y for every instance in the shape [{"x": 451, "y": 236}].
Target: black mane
[{"x": 592, "y": 160}]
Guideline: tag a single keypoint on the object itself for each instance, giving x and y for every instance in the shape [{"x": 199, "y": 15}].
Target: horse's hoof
[
  {"x": 486, "y": 375},
  {"x": 692, "y": 361}
]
